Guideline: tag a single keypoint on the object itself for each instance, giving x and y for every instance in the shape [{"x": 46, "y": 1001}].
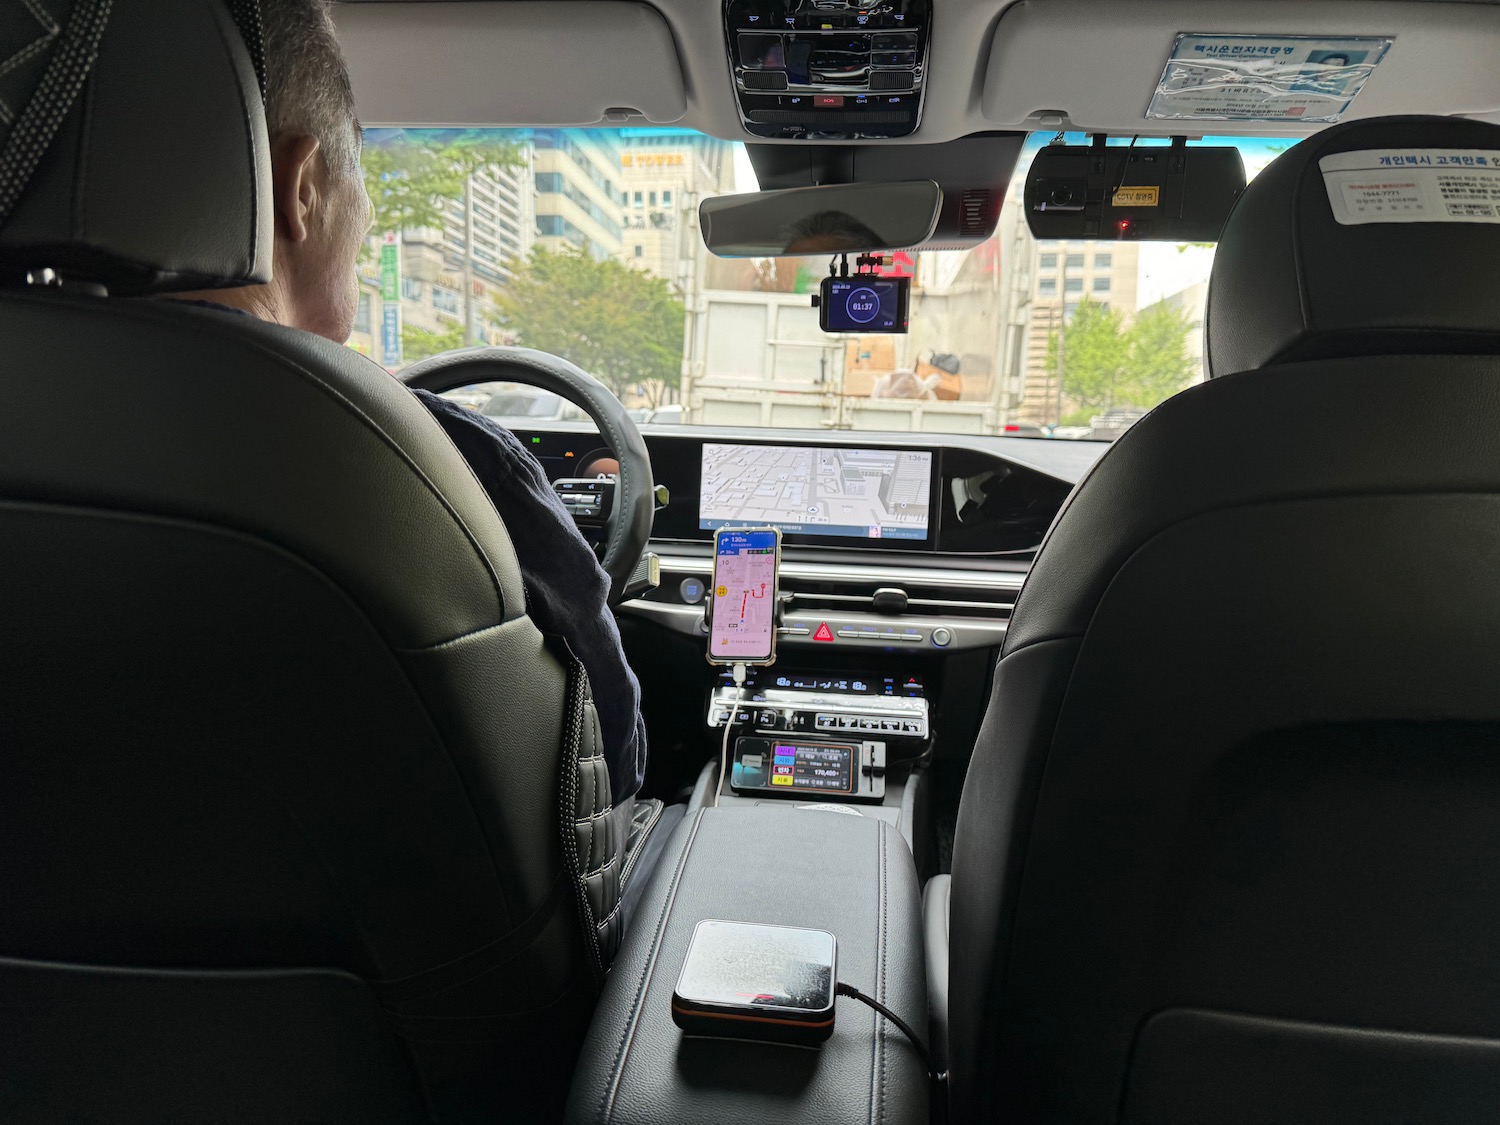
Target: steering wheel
[{"x": 628, "y": 527}]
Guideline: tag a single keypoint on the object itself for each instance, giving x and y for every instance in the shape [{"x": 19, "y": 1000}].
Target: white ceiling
[{"x": 994, "y": 64}]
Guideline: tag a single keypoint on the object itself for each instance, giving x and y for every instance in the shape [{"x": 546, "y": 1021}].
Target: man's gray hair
[{"x": 307, "y": 83}]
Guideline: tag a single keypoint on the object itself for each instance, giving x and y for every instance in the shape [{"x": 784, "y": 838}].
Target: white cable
[{"x": 729, "y": 718}]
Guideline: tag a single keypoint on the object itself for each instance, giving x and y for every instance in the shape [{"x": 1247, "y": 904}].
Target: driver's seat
[{"x": 288, "y": 826}]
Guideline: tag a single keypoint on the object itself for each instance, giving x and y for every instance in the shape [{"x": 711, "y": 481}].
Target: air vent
[
  {"x": 974, "y": 212},
  {"x": 854, "y": 596}
]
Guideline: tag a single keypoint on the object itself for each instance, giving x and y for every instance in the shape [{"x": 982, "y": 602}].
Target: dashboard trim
[
  {"x": 844, "y": 573},
  {"x": 798, "y": 630}
]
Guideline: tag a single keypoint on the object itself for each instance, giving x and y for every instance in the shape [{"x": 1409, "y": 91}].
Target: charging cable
[
  {"x": 901, "y": 1025},
  {"x": 729, "y": 719}
]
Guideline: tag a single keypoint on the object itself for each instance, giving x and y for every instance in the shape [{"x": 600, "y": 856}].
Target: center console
[
  {"x": 850, "y": 876},
  {"x": 830, "y": 736}
]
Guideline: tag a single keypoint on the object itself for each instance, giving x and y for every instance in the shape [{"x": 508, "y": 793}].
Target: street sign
[{"x": 390, "y": 299}]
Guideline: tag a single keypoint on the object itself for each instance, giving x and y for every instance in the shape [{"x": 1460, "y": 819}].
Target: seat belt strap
[{"x": 35, "y": 125}]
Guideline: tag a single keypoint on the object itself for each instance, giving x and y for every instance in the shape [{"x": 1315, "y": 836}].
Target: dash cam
[{"x": 864, "y": 303}]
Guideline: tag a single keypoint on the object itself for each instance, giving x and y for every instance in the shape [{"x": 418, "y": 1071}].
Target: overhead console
[{"x": 829, "y": 69}]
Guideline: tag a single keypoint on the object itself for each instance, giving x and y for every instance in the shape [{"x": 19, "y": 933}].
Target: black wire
[
  {"x": 1125, "y": 170},
  {"x": 901, "y": 1025}
]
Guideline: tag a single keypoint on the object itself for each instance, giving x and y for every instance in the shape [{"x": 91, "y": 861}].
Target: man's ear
[{"x": 294, "y": 189}]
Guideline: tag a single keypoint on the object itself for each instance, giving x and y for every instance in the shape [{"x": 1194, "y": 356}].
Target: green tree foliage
[
  {"x": 412, "y": 174},
  {"x": 619, "y": 324},
  {"x": 1095, "y": 357},
  {"x": 1107, "y": 364},
  {"x": 1160, "y": 362},
  {"x": 419, "y": 343}
]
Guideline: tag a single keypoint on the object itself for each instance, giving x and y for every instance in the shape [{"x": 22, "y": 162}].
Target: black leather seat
[
  {"x": 1228, "y": 848},
  {"x": 290, "y": 812}
]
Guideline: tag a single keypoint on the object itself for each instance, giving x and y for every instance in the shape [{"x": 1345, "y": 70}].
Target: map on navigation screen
[
  {"x": 743, "y": 623},
  {"x": 853, "y": 493}
]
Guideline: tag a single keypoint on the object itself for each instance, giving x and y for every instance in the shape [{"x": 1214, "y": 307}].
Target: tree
[
  {"x": 1095, "y": 357},
  {"x": 1160, "y": 364},
  {"x": 419, "y": 343},
  {"x": 412, "y": 174},
  {"x": 619, "y": 324},
  {"x": 1107, "y": 364}
]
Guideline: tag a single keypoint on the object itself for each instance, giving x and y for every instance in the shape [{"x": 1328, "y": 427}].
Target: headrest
[
  {"x": 157, "y": 178},
  {"x": 1294, "y": 280}
]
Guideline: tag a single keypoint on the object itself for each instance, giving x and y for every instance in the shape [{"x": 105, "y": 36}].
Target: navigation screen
[
  {"x": 848, "y": 493},
  {"x": 743, "y": 624}
]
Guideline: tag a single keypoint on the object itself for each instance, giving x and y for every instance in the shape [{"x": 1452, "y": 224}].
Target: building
[
  {"x": 578, "y": 190},
  {"x": 1063, "y": 274},
  {"x": 1193, "y": 302},
  {"x": 451, "y": 274},
  {"x": 665, "y": 173}
]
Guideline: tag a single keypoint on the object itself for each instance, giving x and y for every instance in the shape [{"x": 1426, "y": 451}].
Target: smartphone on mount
[{"x": 742, "y": 600}]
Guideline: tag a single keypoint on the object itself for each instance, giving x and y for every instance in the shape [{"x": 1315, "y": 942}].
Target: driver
[{"x": 322, "y": 220}]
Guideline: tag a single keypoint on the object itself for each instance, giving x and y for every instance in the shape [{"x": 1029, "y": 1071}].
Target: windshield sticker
[
  {"x": 1423, "y": 185},
  {"x": 1263, "y": 77}
]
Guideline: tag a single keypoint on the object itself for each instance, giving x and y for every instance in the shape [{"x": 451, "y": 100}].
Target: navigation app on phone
[{"x": 744, "y": 593}]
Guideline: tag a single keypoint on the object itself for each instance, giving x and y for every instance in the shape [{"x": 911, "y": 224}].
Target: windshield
[{"x": 585, "y": 243}]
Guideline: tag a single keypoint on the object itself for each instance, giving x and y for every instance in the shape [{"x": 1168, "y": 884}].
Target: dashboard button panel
[{"x": 809, "y": 712}]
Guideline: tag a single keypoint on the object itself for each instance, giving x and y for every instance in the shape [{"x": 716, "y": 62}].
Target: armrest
[
  {"x": 935, "y": 923},
  {"x": 852, "y": 875}
]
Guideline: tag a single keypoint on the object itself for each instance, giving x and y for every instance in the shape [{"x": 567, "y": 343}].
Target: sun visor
[
  {"x": 1100, "y": 67},
  {"x": 525, "y": 62}
]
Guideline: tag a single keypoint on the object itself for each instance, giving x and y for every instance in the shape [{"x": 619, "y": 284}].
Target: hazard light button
[{"x": 824, "y": 633}]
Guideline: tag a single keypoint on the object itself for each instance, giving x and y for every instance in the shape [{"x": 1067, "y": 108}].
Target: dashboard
[
  {"x": 894, "y": 544},
  {"x": 975, "y": 497},
  {"x": 902, "y": 557}
]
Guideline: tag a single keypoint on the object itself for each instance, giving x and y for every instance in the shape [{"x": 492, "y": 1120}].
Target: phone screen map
[{"x": 744, "y": 611}]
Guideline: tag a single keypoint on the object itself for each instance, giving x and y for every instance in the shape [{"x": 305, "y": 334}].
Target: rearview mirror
[
  {"x": 1175, "y": 194},
  {"x": 829, "y": 219}
]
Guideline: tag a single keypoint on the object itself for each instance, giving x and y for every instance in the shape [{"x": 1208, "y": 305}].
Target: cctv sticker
[
  {"x": 1136, "y": 197},
  {"x": 1424, "y": 185}
]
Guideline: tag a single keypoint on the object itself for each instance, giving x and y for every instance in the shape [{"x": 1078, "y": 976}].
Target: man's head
[{"x": 318, "y": 193}]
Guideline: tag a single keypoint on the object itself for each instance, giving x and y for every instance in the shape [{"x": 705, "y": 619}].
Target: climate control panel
[{"x": 843, "y": 705}]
